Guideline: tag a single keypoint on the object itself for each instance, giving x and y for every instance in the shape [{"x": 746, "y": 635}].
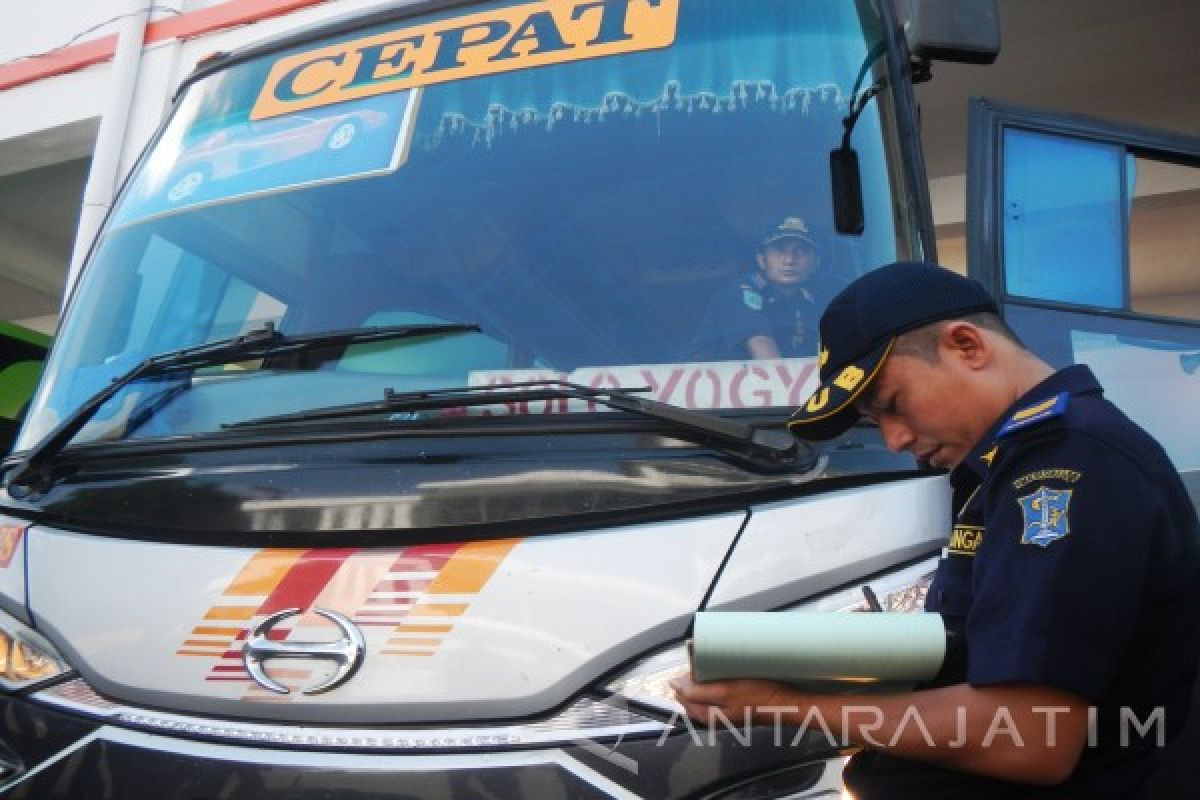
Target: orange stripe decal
[
  {"x": 231, "y": 612},
  {"x": 263, "y": 572},
  {"x": 285, "y": 672},
  {"x": 10, "y": 538},
  {"x": 424, "y": 628},
  {"x": 206, "y": 631},
  {"x": 471, "y": 567},
  {"x": 435, "y": 584},
  {"x": 438, "y": 610},
  {"x": 415, "y": 642}
]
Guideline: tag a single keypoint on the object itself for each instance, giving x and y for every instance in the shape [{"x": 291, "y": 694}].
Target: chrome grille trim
[{"x": 588, "y": 718}]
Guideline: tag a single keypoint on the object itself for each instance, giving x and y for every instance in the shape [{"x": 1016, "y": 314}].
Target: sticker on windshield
[
  {"x": 236, "y": 156},
  {"x": 781, "y": 382},
  {"x": 486, "y": 43}
]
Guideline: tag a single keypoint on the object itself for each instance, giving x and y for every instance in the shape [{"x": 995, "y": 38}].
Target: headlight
[
  {"x": 649, "y": 681},
  {"x": 26, "y": 658},
  {"x": 902, "y": 590}
]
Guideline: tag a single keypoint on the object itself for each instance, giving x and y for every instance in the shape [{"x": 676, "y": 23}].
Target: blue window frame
[{"x": 1049, "y": 213}]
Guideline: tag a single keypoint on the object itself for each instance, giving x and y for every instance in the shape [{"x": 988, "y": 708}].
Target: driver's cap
[{"x": 859, "y": 329}]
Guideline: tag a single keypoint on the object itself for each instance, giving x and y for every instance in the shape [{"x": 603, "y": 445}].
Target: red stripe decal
[
  {"x": 305, "y": 580},
  {"x": 425, "y": 557},
  {"x": 402, "y": 586}
]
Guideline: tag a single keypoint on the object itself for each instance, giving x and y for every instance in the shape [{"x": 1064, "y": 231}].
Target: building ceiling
[{"x": 1131, "y": 61}]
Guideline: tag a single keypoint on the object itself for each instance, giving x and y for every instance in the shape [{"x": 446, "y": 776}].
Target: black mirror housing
[
  {"x": 848, "y": 217},
  {"x": 964, "y": 31}
]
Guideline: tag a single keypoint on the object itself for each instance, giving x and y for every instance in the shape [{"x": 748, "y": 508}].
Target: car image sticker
[{"x": 204, "y": 160}]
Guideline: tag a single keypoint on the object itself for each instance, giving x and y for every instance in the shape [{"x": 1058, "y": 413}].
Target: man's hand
[
  {"x": 735, "y": 699},
  {"x": 762, "y": 348},
  {"x": 1016, "y": 732}
]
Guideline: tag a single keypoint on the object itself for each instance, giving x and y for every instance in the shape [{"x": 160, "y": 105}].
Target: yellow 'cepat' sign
[{"x": 486, "y": 43}]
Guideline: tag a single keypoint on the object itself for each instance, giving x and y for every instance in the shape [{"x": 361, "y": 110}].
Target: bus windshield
[{"x": 617, "y": 192}]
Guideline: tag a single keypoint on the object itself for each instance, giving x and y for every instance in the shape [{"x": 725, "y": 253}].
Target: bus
[{"x": 395, "y": 429}]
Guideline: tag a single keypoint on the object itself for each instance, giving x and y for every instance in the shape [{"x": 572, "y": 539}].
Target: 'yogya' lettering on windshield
[
  {"x": 701, "y": 385},
  {"x": 488, "y": 43}
]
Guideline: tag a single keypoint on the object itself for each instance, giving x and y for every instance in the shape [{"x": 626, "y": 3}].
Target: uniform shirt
[
  {"x": 751, "y": 306},
  {"x": 1074, "y": 563}
]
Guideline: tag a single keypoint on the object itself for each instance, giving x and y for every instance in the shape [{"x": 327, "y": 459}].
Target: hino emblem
[{"x": 346, "y": 652}]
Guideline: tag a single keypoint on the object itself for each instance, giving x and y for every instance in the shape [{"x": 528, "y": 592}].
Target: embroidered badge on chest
[
  {"x": 1045, "y": 513},
  {"x": 752, "y": 299}
]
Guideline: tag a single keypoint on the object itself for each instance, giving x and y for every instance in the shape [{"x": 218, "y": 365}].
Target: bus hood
[
  {"x": 457, "y": 631},
  {"x": 484, "y": 630}
]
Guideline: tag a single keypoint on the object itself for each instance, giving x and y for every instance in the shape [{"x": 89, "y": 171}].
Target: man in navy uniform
[
  {"x": 771, "y": 311},
  {"x": 1072, "y": 574}
]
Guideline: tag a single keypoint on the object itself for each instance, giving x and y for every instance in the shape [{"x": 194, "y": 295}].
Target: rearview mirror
[{"x": 847, "y": 192}]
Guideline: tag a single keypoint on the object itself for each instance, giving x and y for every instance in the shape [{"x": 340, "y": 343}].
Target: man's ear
[
  {"x": 760, "y": 260},
  {"x": 967, "y": 343}
]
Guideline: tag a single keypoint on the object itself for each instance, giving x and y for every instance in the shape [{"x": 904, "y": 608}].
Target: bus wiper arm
[
  {"x": 773, "y": 446},
  {"x": 30, "y": 472}
]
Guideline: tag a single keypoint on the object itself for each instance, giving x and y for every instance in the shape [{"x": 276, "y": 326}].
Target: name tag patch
[{"x": 965, "y": 540}]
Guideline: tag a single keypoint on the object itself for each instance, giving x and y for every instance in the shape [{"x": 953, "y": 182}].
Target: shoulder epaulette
[{"x": 1034, "y": 414}]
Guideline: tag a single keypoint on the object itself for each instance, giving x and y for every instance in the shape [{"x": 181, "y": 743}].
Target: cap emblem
[
  {"x": 818, "y": 401},
  {"x": 823, "y": 358},
  {"x": 849, "y": 378},
  {"x": 793, "y": 225}
]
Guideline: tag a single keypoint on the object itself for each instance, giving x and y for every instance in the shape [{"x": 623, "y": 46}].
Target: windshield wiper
[
  {"x": 30, "y": 473},
  {"x": 774, "y": 446}
]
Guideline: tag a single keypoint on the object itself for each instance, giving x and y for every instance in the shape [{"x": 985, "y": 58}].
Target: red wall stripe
[
  {"x": 181, "y": 26},
  {"x": 60, "y": 62},
  {"x": 225, "y": 15}
]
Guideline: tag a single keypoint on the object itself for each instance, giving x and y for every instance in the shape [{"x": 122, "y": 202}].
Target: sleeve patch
[
  {"x": 1044, "y": 515},
  {"x": 1034, "y": 414}
]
